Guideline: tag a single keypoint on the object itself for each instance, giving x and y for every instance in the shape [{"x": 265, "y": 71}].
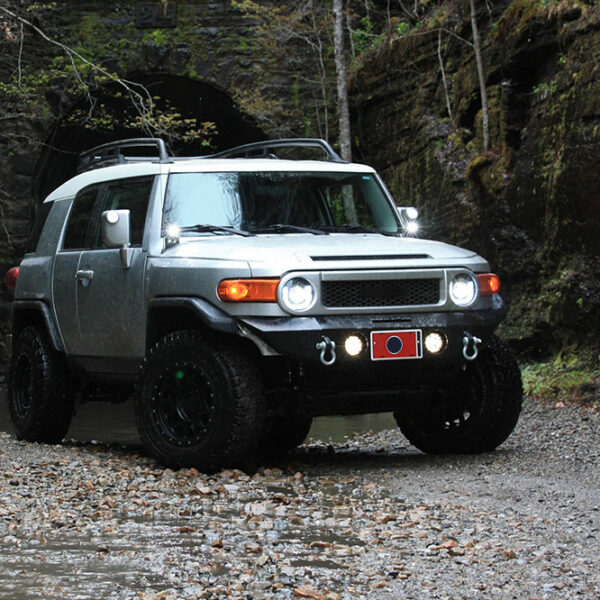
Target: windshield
[{"x": 264, "y": 202}]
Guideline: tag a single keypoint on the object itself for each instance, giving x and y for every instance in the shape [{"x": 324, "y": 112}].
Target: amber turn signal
[
  {"x": 489, "y": 284},
  {"x": 248, "y": 290}
]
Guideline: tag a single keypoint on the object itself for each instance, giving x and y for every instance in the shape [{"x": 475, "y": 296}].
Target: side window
[
  {"x": 132, "y": 194},
  {"x": 36, "y": 232},
  {"x": 77, "y": 236}
]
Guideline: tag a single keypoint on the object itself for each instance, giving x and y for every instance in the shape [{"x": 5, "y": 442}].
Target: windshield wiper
[
  {"x": 201, "y": 228},
  {"x": 353, "y": 227},
  {"x": 281, "y": 227}
]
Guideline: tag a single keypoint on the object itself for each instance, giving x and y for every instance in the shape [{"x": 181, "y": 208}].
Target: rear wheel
[
  {"x": 199, "y": 402},
  {"x": 283, "y": 433},
  {"x": 39, "y": 395},
  {"x": 476, "y": 414}
]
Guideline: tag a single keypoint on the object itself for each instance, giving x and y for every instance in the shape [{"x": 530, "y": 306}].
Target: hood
[{"x": 307, "y": 251}]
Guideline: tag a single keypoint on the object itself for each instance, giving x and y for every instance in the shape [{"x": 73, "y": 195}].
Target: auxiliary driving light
[
  {"x": 435, "y": 342},
  {"x": 354, "y": 345}
]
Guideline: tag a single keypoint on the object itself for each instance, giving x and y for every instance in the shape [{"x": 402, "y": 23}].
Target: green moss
[{"x": 562, "y": 379}]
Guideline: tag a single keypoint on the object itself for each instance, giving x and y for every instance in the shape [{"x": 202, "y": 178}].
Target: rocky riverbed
[{"x": 367, "y": 518}]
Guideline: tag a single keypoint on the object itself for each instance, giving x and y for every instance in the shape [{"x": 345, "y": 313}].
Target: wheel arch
[
  {"x": 36, "y": 313},
  {"x": 166, "y": 315}
]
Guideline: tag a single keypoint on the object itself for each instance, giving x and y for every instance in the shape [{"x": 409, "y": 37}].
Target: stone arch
[{"x": 191, "y": 98}]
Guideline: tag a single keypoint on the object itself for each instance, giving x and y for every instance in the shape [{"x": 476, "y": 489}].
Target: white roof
[{"x": 199, "y": 165}]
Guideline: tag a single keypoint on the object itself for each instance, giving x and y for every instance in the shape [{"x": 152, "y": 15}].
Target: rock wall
[{"x": 531, "y": 202}]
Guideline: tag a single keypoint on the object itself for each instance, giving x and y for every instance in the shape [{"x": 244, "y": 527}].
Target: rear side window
[{"x": 38, "y": 226}]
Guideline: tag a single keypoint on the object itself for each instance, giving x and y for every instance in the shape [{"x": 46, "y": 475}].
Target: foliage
[
  {"x": 365, "y": 37},
  {"x": 301, "y": 31},
  {"x": 73, "y": 68},
  {"x": 172, "y": 126},
  {"x": 545, "y": 88},
  {"x": 561, "y": 379}
]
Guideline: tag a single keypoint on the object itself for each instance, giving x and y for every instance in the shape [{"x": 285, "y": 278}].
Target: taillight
[
  {"x": 248, "y": 290},
  {"x": 11, "y": 278},
  {"x": 489, "y": 284}
]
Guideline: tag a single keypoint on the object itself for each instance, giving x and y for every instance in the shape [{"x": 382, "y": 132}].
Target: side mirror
[
  {"x": 115, "y": 228},
  {"x": 116, "y": 233}
]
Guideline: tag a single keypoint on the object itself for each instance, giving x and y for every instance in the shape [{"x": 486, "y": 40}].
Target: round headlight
[
  {"x": 298, "y": 295},
  {"x": 463, "y": 289}
]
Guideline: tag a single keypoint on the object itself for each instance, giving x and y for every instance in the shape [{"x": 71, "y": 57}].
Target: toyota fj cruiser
[{"x": 242, "y": 294}]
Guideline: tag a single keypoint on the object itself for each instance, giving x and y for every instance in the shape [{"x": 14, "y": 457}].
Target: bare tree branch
[
  {"x": 443, "y": 70},
  {"x": 138, "y": 94},
  {"x": 481, "y": 76}
]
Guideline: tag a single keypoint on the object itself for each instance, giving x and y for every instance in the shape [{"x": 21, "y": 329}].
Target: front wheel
[
  {"x": 199, "y": 402},
  {"x": 39, "y": 396},
  {"x": 475, "y": 414}
]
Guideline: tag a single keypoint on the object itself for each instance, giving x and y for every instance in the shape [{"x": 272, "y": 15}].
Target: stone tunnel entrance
[{"x": 191, "y": 99}]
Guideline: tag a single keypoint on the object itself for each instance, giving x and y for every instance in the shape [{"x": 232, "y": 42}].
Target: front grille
[{"x": 387, "y": 292}]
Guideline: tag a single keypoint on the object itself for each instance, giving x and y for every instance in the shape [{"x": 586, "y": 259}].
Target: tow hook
[
  {"x": 470, "y": 346},
  {"x": 326, "y": 347}
]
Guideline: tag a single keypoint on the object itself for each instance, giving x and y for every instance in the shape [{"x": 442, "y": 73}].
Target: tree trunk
[
  {"x": 481, "y": 75},
  {"x": 342, "y": 86},
  {"x": 343, "y": 106}
]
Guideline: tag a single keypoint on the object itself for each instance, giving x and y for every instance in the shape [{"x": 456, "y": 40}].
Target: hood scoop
[{"x": 370, "y": 257}]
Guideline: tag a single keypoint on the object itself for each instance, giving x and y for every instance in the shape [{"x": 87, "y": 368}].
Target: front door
[{"x": 108, "y": 320}]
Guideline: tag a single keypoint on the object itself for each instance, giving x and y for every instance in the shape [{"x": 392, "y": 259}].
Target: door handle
[{"x": 84, "y": 275}]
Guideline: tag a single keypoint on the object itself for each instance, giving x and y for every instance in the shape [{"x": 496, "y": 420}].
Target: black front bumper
[{"x": 298, "y": 337}]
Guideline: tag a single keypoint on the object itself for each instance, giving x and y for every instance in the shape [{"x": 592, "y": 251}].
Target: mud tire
[
  {"x": 199, "y": 403},
  {"x": 476, "y": 414},
  {"x": 39, "y": 395}
]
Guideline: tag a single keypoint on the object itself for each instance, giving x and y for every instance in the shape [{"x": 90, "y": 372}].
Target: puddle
[{"x": 115, "y": 424}]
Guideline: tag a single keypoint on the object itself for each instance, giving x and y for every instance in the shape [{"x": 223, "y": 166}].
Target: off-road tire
[
  {"x": 39, "y": 395},
  {"x": 199, "y": 402},
  {"x": 475, "y": 414},
  {"x": 284, "y": 433}
]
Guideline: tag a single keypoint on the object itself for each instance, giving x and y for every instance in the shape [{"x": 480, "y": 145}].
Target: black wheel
[
  {"x": 40, "y": 398},
  {"x": 283, "y": 433},
  {"x": 475, "y": 414},
  {"x": 199, "y": 403}
]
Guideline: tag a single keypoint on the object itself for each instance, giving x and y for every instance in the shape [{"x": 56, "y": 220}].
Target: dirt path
[{"x": 370, "y": 518}]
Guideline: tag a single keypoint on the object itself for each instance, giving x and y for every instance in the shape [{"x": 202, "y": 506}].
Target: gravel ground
[{"x": 368, "y": 518}]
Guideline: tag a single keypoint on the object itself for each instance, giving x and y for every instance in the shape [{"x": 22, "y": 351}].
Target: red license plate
[{"x": 394, "y": 345}]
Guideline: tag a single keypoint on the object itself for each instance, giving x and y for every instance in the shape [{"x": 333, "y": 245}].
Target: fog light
[
  {"x": 434, "y": 342},
  {"x": 353, "y": 345}
]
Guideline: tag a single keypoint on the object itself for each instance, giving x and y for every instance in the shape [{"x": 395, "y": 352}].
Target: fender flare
[
  {"x": 20, "y": 307},
  {"x": 209, "y": 315}
]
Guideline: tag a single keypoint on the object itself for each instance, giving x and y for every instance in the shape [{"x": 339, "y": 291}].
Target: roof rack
[
  {"x": 263, "y": 149},
  {"x": 111, "y": 153}
]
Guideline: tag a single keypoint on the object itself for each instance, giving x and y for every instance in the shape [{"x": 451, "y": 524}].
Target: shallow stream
[{"x": 114, "y": 423}]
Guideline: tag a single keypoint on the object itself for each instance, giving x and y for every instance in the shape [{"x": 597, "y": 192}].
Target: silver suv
[{"x": 241, "y": 294}]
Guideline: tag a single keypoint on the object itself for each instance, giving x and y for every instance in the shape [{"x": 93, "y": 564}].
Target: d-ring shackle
[
  {"x": 326, "y": 346},
  {"x": 469, "y": 339}
]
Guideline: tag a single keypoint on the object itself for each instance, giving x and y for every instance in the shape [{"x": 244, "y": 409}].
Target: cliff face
[{"x": 531, "y": 202}]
